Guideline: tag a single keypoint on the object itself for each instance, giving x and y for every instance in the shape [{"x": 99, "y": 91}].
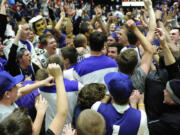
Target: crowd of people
[{"x": 77, "y": 68}]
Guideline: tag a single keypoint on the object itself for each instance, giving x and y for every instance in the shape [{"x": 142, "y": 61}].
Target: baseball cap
[
  {"x": 173, "y": 87},
  {"x": 119, "y": 85},
  {"x": 7, "y": 82}
]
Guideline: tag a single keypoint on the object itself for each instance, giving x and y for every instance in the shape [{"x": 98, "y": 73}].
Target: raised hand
[
  {"x": 98, "y": 13},
  {"x": 134, "y": 98},
  {"x": 48, "y": 81},
  {"x": 55, "y": 70},
  {"x": 41, "y": 105},
  {"x": 69, "y": 130},
  {"x": 160, "y": 35},
  {"x": 4, "y": 2},
  {"x": 147, "y": 4},
  {"x": 158, "y": 14},
  {"x": 130, "y": 24},
  {"x": 62, "y": 14}
]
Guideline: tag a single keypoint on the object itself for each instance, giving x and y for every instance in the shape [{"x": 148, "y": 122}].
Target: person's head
[
  {"x": 31, "y": 36},
  {"x": 25, "y": 30},
  {"x": 120, "y": 87},
  {"x": 69, "y": 41},
  {"x": 123, "y": 39},
  {"x": 114, "y": 50},
  {"x": 8, "y": 88},
  {"x": 69, "y": 54},
  {"x": 172, "y": 92},
  {"x": 96, "y": 41},
  {"x": 175, "y": 34},
  {"x": 132, "y": 39},
  {"x": 23, "y": 57},
  {"x": 112, "y": 38},
  {"x": 90, "y": 94},
  {"x": 90, "y": 122},
  {"x": 127, "y": 61},
  {"x": 56, "y": 59},
  {"x": 112, "y": 26},
  {"x": 49, "y": 44},
  {"x": 80, "y": 41},
  {"x": 38, "y": 24},
  {"x": 17, "y": 123},
  {"x": 41, "y": 74},
  {"x": 86, "y": 29}
]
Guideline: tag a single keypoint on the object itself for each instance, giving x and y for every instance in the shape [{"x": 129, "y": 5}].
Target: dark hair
[
  {"x": 127, "y": 61},
  {"x": 56, "y": 59},
  {"x": 44, "y": 39},
  {"x": 1, "y": 94},
  {"x": 70, "y": 53},
  {"x": 177, "y": 28},
  {"x": 119, "y": 46},
  {"x": 17, "y": 123},
  {"x": 91, "y": 93},
  {"x": 84, "y": 27},
  {"x": 96, "y": 41},
  {"x": 122, "y": 101},
  {"x": 131, "y": 37}
]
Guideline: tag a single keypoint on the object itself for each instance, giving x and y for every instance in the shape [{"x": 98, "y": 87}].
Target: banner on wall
[{"x": 132, "y": 3}]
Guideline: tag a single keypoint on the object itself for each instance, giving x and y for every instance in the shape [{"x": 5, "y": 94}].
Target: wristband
[{"x": 140, "y": 104}]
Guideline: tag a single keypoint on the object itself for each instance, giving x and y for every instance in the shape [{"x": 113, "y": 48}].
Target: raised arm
[
  {"x": 160, "y": 24},
  {"x": 57, "y": 123},
  {"x": 41, "y": 107},
  {"x": 152, "y": 20},
  {"x": 58, "y": 25},
  {"x": 168, "y": 57},
  {"x": 18, "y": 35},
  {"x": 29, "y": 88},
  {"x": 148, "y": 50},
  {"x": 98, "y": 18},
  {"x": 12, "y": 64},
  {"x": 3, "y": 7}
]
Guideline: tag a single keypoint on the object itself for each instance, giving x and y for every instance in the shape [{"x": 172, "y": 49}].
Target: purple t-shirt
[{"x": 29, "y": 100}]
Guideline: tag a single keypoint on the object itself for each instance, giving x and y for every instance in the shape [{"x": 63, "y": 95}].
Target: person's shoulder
[
  {"x": 83, "y": 62},
  {"x": 96, "y": 105},
  {"x": 139, "y": 71}
]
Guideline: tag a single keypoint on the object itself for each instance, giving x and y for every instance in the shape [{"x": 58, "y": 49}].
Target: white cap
[{"x": 35, "y": 19}]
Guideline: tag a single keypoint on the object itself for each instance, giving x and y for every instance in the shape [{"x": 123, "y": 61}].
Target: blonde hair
[{"x": 90, "y": 123}]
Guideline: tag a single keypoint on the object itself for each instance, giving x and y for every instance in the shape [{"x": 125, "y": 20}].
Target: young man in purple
[
  {"x": 122, "y": 118},
  {"x": 94, "y": 68}
]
